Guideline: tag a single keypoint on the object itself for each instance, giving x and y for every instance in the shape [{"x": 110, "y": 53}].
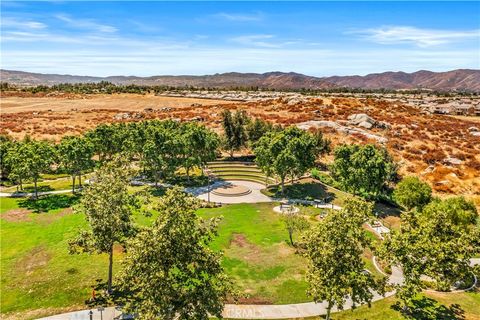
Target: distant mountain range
[{"x": 461, "y": 79}]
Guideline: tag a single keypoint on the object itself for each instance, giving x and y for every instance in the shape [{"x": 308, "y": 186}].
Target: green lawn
[
  {"x": 257, "y": 255},
  {"x": 49, "y": 183},
  {"x": 39, "y": 277}
]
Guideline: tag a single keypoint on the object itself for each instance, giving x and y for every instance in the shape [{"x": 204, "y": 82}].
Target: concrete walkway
[{"x": 31, "y": 194}]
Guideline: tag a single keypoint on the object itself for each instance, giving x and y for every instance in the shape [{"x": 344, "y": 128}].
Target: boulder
[{"x": 365, "y": 124}]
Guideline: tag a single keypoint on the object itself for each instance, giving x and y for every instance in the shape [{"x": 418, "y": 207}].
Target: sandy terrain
[{"x": 123, "y": 102}]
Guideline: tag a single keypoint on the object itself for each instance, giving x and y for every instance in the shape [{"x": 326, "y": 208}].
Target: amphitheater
[{"x": 237, "y": 182}]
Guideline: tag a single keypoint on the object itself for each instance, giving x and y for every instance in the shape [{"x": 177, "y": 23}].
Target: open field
[{"x": 440, "y": 149}]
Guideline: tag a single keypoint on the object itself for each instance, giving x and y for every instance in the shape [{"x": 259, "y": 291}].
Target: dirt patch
[
  {"x": 17, "y": 215},
  {"x": 49, "y": 218},
  {"x": 239, "y": 240},
  {"x": 242, "y": 248},
  {"x": 36, "y": 258}
]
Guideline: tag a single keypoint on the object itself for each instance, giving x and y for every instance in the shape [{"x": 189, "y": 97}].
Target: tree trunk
[
  {"x": 329, "y": 310},
  {"x": 21, "y": 184},
  {"x": 283, "y": 186},
  {"x": 73, "y": 183},
  {"x": 290, "y": 234},
  {"x": 187, "y": 169},
  {"x": 80, "y": 179},
  {"x": 36, "y": 191},
  {"x": 231, "y": 153},
  {"x": 110, "y": 270}
]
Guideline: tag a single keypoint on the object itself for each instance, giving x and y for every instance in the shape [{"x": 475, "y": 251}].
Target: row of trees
[
  {"x": 161, "y": 148},
  {"x": 109, "y": 88}
]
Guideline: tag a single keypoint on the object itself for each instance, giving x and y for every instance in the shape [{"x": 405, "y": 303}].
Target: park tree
[
  {"x": 7, "y": 145},
  {"x": 108, "y": 207},
  {"x": 198, "y": 146},
  {"x": 288, "y": 152},
  {"x": 109, "y": 140},
  {"x": 75, "y": 155},
  {"x": 169, "y": 271},
  {"x": 334, "y": 249},
  {"x": 161, "y": 149},
  {"x": 294, "y": 222},
  {"x": 437, "y": 241},
  {"x": 29, "y": 159},
  {"x": 411, "y": 193},
  {"x": 235, "y": 135},
  {"x": 256, "y": 129},
  {"x": 363, "y": 169}
]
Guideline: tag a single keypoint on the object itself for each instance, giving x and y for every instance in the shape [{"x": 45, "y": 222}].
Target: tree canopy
[
  {"x": 437, "y": 241},
  {"x": 334, "y": 249},
  {"x": 363, "y": 169},
  {"x": 75, "y": 155},
  {"x": 108, "y": 207},
  {"x": 411, "y": 193},
  {"x": 169, "y": 271},
  {"x": 287, "y": 152}
]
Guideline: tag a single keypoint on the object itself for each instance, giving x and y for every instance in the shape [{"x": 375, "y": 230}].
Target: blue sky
[{"x": 315, "y": 38}]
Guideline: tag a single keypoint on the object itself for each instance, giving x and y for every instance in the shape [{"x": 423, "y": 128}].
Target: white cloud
[
  {"x": 239, "y": 17},
  {"x": 416, "y": 36},
  {"x": 86, "y": 24},
  {"x": 256, "y": 40},
  {"x": 7, "y": 22}
]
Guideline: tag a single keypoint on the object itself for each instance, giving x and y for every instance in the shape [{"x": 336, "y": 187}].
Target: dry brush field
[{"x": 423, "y": 144}]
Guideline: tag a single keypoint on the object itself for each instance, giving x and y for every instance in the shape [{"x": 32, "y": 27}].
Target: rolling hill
[{"x": 461, "y": 79}]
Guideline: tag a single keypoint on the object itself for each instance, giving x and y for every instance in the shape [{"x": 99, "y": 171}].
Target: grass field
[{"x": 40, "y": 277}]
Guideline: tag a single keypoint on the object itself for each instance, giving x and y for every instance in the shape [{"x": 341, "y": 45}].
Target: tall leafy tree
[
  {"x": 75, "y": 155},
  {"x": 169, "y": 271},
  {"x": 198, "y": 146},
  {"x": 411, "y": 193},
  {"x": 109, "y": 140},
  {"x": 161, "y": 149},
  {"x": 290, "y": 151},
  {"x": 256, "y": 129},
  {"x": 108, "y": 207},
  {"x": 437, "y": 242},
  {"x": 29, "y": 159},
  {"x": 234, "y": 130},
  {"x": 7, "y": 145},
  {"x": 334, "y": 249},
  {"x": 363, "y": 169}
]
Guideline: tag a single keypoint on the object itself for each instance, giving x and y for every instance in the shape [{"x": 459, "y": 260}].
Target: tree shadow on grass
[
  {"x": 428, "y": 308},
  {"x": 309, "y": 190},
  {"x": 48, "y": 202},
  {"x": 31, "y": 189}
]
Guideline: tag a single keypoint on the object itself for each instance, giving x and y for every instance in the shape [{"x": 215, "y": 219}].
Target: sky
[{"x": 315, "y": 38}]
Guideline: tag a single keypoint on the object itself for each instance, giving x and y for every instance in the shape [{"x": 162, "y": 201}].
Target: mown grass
[
  {"x": 39, "y": 274},
  {"x": 257, "y": 254}
]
